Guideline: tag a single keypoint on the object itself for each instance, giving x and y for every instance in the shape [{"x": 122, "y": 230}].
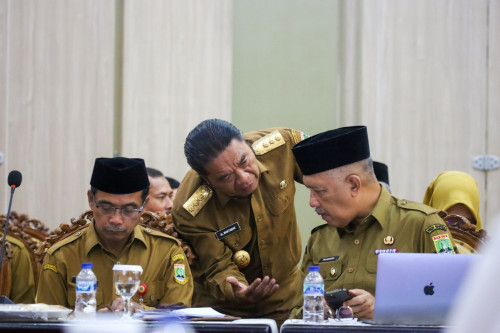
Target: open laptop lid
[{"x": 418, "y": 288}]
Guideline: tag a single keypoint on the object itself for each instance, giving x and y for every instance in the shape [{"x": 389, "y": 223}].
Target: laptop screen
[{"x": 418, "y": 288}]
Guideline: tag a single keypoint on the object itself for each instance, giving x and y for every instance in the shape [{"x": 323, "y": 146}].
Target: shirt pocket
[
  {"x": 153, "y": 295},
  {"x": 279, "y": 202},
  {"x": 330, "y": 271}
]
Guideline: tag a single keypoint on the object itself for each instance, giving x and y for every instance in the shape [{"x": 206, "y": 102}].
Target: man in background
[{"x": 160, "y": 193}]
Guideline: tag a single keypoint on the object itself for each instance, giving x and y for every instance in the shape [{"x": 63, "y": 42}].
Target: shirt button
[
  {"x": 262, "y": 242},
  {"x": 236, "y": 244},
  {"x": 350, "y": 270},
  {"x": 403, "y": 202},
  {"x": 356, "y": 242},
  {"x": 259, "y": 218}
]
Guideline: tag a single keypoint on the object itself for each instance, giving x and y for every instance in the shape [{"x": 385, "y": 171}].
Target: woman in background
[{"x": 456, "y": 193}]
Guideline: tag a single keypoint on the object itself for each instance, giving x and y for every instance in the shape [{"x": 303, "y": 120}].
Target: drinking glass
[{"x": 127, "y": 279}]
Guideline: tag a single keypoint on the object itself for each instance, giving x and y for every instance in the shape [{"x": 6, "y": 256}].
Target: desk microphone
[{"x": 14, "y": 180}]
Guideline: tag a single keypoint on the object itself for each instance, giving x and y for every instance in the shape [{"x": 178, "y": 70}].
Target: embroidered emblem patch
[
  {"x": 435, "y": 227},
  {"x": 178, "y": 257},
  {"x": 51, "y": 267},
  {"x": 442, "y": 243},
  {"x": 180, "y": 273}
]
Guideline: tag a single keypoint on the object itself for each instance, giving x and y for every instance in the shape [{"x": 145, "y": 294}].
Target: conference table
[{"x": 240, "y": 325}]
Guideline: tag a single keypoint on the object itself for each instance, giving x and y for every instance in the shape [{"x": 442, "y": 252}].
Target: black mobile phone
[{"x": 335, "y": 298}]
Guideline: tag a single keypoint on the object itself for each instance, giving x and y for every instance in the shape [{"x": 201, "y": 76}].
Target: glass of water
[{"x": 127, "y": 279}]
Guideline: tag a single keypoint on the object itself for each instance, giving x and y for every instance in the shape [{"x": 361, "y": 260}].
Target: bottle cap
[
  {"x": 86, "y": 265},
  {"x": 313, "y": 268}
]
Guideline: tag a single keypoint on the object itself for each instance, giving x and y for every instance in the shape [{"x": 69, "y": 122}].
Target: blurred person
[
  {"x": 382, "y": 173},
  {"x": 117, "y": 196},
  {"x": 475, "y": 307},
  {"x": 236, "y": 207},
  {"x": 22, "y": 279},
  {"x": 457, "y": 193},
  {"x": 160, "y": 193},
  {"x": 362, "y": 218},
  {"x": 174, "y": 184}
]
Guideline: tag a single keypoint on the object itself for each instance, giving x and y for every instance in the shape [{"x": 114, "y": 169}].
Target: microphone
[{"x": 14, "y": 181}]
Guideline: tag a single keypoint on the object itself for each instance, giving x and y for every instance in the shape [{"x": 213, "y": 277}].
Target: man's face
[
  {"x": 160, "y": 196},
  {"x": 331, "y": 198},
  {"x": 235, "y": 171},
  {"x": 116, "y": 227}
]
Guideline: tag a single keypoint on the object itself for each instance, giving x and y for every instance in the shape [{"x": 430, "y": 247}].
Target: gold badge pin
[
  {"x": 241, "y": 258},
  {"x": 333, "y": 271},
  {"x": 283, "y": 184},
  {"x": 388, "y": 240}
]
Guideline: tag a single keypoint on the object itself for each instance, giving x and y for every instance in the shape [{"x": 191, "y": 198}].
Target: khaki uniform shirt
[
  {"x": 23, "y": 278},
  {"x": 166, "y": 272},
  {"x": 269, "y": 230},
  {"x": 348, "y": 259}
]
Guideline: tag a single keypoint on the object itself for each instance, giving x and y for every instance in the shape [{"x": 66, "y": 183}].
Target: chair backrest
[
  {"x": 158, "y": 221},
  {"x": 467, "y": 239}
]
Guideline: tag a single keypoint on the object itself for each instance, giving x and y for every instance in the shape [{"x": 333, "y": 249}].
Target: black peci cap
[
  {"x": 381, "y": 172},
  {"x": 119, "y": 175},
  {"x": 332, "y": 149}
]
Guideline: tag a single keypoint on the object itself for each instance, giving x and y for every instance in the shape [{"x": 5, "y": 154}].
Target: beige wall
[
  {"x": 81, "y": 79},
  {"x": 421, "y": 74}
]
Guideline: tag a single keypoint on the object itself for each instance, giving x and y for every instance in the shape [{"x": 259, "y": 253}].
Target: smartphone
[{"x": 335, "y": 298}]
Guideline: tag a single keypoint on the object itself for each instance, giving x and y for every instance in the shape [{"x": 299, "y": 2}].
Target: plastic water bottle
[
  {"x": 314, "y": 293},
  {"x": 86, "y": 287}
]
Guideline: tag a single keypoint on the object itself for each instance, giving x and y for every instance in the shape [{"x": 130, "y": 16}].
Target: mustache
[
  {"x": 114, "y": 228},
  {"x": 320, "y": 211}
]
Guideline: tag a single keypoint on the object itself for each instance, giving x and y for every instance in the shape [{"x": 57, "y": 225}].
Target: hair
[
  {"x": 365, "y": 165},
  {"x": 207, "y": 140},
  {"x": 144, "y": 194},
  {"x": 174, "y": 183},
  {"x": 154, "y": 173}
]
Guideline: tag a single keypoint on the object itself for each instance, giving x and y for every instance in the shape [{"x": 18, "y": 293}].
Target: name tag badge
[
  {"x": 327, "y": 259},
  {"x": 230, "y": 229}
]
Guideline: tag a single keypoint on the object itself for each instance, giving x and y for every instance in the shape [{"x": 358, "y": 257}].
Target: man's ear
[
  {"x": 354, "y": 183},
  {"x": 89, "y": 197}
]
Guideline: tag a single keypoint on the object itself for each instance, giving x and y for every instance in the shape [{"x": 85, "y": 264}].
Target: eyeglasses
[{"x": 109, "y": 210}]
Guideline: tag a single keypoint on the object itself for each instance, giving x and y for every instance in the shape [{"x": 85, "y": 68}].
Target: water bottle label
[
  {"x": 86, "y": 286},
  {"x": 314, "y": 289}
]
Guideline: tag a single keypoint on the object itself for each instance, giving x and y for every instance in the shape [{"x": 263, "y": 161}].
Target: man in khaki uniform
[
  {"x": 236, "y": 207},
  {"x": 160, "y": 193},
  {"x": 22, "y": 289},
  {"x": 363, "y": 218},
  {"x": 118, "y": 193}
]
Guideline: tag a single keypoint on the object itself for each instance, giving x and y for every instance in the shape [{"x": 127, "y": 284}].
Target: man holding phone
[{"x": 362, "y": 218}]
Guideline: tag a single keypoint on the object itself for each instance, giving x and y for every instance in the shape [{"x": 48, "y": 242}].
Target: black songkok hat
[
  {"x": 119, "y": 175},
  {"x": 332, "y": 149},
  {"x": 381, "y": 172}
]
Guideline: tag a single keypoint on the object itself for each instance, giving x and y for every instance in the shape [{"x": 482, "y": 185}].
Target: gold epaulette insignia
[
  {"x": 199, "y": 198},
  {"x": 298, "y": 136},
  {"x": 268, "y": 143}
]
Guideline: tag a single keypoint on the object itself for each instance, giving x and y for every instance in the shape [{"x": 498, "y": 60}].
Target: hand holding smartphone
[{"x": 335, "y": 298}]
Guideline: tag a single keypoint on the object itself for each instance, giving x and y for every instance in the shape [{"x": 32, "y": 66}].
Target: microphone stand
[{"x": 12, "y": 189}]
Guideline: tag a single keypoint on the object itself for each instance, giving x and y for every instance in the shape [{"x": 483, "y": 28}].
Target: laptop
[{"x": 418, "y": 288}]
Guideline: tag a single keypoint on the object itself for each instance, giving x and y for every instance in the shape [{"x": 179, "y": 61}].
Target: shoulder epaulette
[
  {"x": 406, "y": 204},
  {"x": 67, "y": 240},
  {"x": 267, "y": 143},
  {"x": 199, "y": 198},
  {"x": 298, "y": 136},
  {"x": 158, "y": 233},
  {"x": 318, "y": 228}
]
